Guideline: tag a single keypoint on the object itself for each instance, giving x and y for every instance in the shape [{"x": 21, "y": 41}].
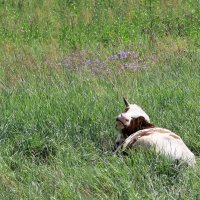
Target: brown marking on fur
[
  {"x": 147, "y": 133},
  {"x": 175, "y": 136},
  {"x": 132, "y": 142},
  {"x": 162, "y": 131},
  {"x": 136, "y": 125},
  {"x": 143, "y": 124},
  {"x": 142, "y": 134}
]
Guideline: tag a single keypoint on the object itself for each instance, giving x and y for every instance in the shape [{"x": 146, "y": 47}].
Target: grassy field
[{"x": 65, "y": 66}]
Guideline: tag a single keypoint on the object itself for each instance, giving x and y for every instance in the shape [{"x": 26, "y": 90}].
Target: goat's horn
[{"x": 126, "y": 102}]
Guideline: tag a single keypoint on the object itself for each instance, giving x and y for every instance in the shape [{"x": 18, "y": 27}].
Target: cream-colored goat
[{"x": 136, "y": 130}]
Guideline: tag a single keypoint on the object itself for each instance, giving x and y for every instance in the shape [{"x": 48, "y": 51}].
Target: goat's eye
[
  {"x": 126, "y": 120},
  {"x": 126, "y": 109}
]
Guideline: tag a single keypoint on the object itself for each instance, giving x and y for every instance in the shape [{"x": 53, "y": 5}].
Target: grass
[{"x": 63, "y": 76}]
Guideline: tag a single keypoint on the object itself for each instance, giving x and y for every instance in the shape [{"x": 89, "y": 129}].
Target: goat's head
[{"x": 130, "y": 121}]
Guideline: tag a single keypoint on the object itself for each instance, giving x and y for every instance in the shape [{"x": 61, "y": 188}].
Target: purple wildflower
[
  {"x": 134, "y": 54},
  {"x": 131, "y": 66},
  {"x": 115, "y": 57},
  {"x": 123, "y": 54},
  {"x": 108, "y": 72},
  {"x": 88, "y": 62},
  {"x": 153, "y": 58}
]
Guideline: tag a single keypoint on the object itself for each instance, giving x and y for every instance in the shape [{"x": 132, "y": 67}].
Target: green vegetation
[{"x": 64, "y": 68}]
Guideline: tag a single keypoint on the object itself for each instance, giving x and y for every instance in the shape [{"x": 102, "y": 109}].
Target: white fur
[
  {"x": 134, "y": 111},
  {"x": 164, "y": 141}
]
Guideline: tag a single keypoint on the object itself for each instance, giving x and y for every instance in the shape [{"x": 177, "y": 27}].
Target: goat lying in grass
[{"x": 136, "y": 130}]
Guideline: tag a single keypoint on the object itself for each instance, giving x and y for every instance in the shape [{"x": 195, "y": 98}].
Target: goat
[{"x": 136, "y": 130}]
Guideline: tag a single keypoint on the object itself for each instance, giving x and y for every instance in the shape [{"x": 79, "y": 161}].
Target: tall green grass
[{"x": 57, "y": 125}]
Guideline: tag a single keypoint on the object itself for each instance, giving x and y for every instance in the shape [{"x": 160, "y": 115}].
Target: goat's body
[
  {"x": 164, "y": 141},
  {"x": 136, "y": 130}
]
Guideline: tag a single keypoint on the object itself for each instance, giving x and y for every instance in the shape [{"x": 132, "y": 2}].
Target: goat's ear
[
  {"x": 126, "y": 102},
  {"x": 143, "y": 123}
]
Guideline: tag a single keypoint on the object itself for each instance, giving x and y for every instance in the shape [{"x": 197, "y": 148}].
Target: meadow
[{"x": 65, "y": 66}]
